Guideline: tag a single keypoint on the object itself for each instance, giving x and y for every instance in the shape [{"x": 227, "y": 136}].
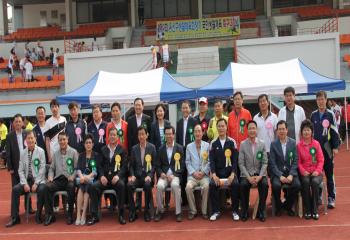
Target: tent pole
[
  {"x": 124, "y": 114},
  {"x": 346, "y": 121},
  {"x": 270, "y": 103}
]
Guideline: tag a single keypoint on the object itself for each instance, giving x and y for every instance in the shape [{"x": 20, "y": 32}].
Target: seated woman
[
  {"x": 310, "y": 165},
  {"x": 87, "y": 171}
]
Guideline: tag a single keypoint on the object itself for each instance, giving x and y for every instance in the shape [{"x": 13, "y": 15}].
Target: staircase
[
  {"x": 136, "y": 38},
  {"x": 265, "y": 27}
]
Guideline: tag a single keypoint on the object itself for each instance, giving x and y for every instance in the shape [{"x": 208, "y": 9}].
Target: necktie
[{"x": 30, "y": 172}]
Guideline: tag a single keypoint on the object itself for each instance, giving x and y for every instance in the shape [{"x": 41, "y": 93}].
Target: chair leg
[
  {"x": 273, "y": 206},
  {"x": 27, "y": 196},
  {"x": 256, "y": 206},
  {"x": 152, "y": 211},
  {"x": 300, "y": 205},
  {"x": 325, "y": 200}
]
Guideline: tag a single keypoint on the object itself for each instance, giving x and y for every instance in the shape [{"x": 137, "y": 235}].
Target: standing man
[
  {"x": 142, "y": 168},
  {"x": 219, "y": 113},
  {"x": 197, "y": 164},
  {"x": 113, "y": 175},
  {"x": 326, "y": 133},
  {"x": 170, "y": 166},
  {"x": 137, "y": 120},
  {"x": 39, "y": 129},
  {"x": 61, "y": 177},
  {"x": 237, "y": 120},
  {"x": 203, "y": 118},
  {"x": 32, "y": 168},
  {"x": 266, "y": 121},
  {"x": 97, "y": 128},
  {"x": 291, "y": 113},
  {"x": 253, "y": 165},
  {"x": 75, "y": 128},
  {"x": 223, "y": 158},
  {"x": 283, "y": 165},
  {"x": 53, "y": 126}
]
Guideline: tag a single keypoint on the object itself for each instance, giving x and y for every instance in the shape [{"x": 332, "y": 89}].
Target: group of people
[{"x": 234, "y": 152}]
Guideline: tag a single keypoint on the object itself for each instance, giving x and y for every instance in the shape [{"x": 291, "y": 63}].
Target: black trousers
[
  {"x": 329, "y": 172},
  {"x": 60, "y": 184},
  {"x": 95, "y": 191},
  {"x": 310, "y": 191},
  {"x": 18, "y": 190},
  {"x": 147, "y": 188},
  {"x": 245, "y": 186},
  {"x": 214, "y": 194},
  {"x": 292, "y": 192}
]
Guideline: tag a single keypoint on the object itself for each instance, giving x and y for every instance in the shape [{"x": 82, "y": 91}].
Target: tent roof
[
  {"x": 153, "y": 86},
  {"x": 256, "y": 79}
]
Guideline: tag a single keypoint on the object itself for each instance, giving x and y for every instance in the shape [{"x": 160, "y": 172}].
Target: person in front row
[
  {"x": 88, "y": 164},
  {"x": 223, "y": 159},
  {"x": 310, "y": 165},
  {"x": 283, "y": 165},
  {"x": 31, "y": 172},
  {"x": 253, "y": 165},
  {"x": 170, "y": 165},
  {"x": 113, "y": 173},
  {"x": 197, "y": 163},
  {"x": 61, "y": 177},
  {"x": 142, "y": 168}
]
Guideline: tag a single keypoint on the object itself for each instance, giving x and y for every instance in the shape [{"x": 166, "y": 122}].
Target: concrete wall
[
  {"x": 121, "y": 32},
  {"x": 343, "y": 24},
  {"x": 319, "y": 52},
  {"x": 31, "y": 14},
  {"x": 80, "y": 67}
]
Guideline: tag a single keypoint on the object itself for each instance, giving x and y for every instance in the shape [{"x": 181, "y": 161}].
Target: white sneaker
[
  {"x": 215, "y": 216},
  {"x": 56, "y": 209},
  {"x": 77, "y": 222},
  {"x": 235, "y": 216}
]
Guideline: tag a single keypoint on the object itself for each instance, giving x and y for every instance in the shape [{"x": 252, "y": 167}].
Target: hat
[{"x": 203, "y": 100}]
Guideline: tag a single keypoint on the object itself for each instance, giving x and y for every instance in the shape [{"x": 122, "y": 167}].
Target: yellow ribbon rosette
[
  {"x": 177, "y": 157},
  {"x": 228, "y": 154},
  {"x": 205, "y": 157},
  {"x": 148, "y": 159},
  {"x": 117, "y": 159}
]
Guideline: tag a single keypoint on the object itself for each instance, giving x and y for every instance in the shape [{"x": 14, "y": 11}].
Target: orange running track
[{"x": 335, "y": 225}]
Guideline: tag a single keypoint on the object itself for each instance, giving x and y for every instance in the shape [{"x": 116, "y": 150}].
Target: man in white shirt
[
  {"x": 291, "y": 113},
  {"x": 28, "y": 67},
  {"x": 55, "y": 65}
]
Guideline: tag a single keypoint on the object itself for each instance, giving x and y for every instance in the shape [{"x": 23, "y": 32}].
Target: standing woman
[
  {"x": 310, "y": 165},
  {"x": 157, "y": 128},
  {"x": 87, "y": 171}
]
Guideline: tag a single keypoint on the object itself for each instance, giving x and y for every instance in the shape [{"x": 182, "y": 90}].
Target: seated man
[
  {"x": 113, "y": 171},
  {"x": 223, "y": 166},
  {"x": 170, "y": 165},
  {"x": 283, "y": 165},
  {"x": 253, "y": 165},
  {"x": 142, "y": 167},
  {"x": 31, "y": 172},
  {"x": 197, "y": 164},
  {"x": 61, "y": 177}
]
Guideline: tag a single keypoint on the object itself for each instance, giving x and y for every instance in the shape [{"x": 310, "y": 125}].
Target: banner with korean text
[{"x": 198, "y": 28}]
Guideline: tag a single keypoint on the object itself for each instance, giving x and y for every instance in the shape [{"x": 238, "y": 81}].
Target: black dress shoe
[
  {"x": 38, "y": 219},
  {"x": 92, "y": 221},
  {"x": 262, "y": 217},
  {"x": 244, "y": 217},
  {"x": 69, "y": 220},
  {"x": 179, "y": 218},
  {"x": 315, "y": 216},
  {"x": 13, "y": 222},
  {"x": 132, "y": 216},
  {"x": 158, "y": 217},
  {"x": 121, "y": 219},
  {"x": 49, "y": 219},
  {"x": 291, "y": 213},
  {"x": 147, "y": 216}
]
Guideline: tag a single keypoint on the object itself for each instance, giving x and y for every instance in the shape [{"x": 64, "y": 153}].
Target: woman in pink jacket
[{"x": 310, "y": 165}]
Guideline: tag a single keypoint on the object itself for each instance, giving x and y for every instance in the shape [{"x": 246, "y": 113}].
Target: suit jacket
[
  {"x": 83, "y": 163},
  {"x": 95, "y": 133},
  {"x": 75, "y": 141},
  {"x": 137, "y": 166},
  {"x": 249, "y": 164},
  {"x": 23, "y": 169},
  {"x": 163, "y": 164},
  {"x": 283, "y": 165},
  {"x": 132, "y": 129},
  {"x": 108, "y": 164},
  {"x": 195, "y": 162},
  {"x": 205, "y": 125},
  {"x": 180, "y": 128},
  {"x": 155, "y": 135},
  {"x": 12, "y": 151},
  {"x": 40, "y": 139},
  {"x": 217, "y": 158}
]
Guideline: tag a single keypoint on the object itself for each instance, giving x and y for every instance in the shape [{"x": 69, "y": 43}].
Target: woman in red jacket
[{"x": 310, "y": 165}]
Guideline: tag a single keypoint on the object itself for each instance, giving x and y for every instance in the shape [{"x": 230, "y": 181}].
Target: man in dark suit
[
  {"x": 137, "y": 120},
  {"x": 283, "y": 166},
  {"x": 142, "y": 168},
  {"x": 39, "y": 129},
  {"x": 97, "y": 128},
  {"x": 75, "y": 128},
  {"x": 170, "y": 166},
  {"x": 113, "y": 174},
  {"x": 184, "y": 136},
  {"x": 14, "y": 146}
]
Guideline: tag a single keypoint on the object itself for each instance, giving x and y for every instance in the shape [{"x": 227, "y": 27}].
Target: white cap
[{"x": 203, "y": 100}]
